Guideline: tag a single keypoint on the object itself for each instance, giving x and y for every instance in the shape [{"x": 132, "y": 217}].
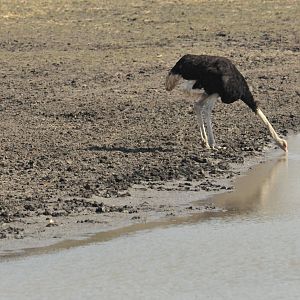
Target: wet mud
[{"x": 85, "y": 116}]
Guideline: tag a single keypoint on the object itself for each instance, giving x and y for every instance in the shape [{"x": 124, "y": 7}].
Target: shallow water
[{"x": 248, "y": 250}]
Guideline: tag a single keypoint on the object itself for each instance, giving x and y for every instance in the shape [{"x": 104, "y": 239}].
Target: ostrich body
[{"x": 209, "y": 78}]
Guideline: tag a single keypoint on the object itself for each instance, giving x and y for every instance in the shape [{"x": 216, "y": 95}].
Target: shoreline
[
  {"x": 84, "y": 114},
  {"x": 148, "y": 205}
]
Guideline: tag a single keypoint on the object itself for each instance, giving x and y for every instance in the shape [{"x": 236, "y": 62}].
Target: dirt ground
[{"x": 84, "y": 114}]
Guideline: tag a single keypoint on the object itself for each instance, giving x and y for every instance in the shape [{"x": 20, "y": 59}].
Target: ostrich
[{"x": 209, "y": 78}]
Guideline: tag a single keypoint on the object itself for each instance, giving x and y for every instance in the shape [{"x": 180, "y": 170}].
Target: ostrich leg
[
  {"x": 209, "y": 104},
  {"x": 198, "y": 106}
]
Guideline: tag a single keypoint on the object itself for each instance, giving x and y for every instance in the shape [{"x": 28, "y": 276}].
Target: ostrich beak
[{"x": 283, "y": 145}]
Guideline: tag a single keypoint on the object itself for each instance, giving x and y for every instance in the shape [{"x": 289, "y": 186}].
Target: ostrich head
[{"x": 282, "y": 144}]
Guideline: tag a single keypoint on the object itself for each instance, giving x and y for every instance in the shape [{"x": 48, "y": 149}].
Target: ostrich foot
[
  {"x": 205, "y": 144},
  {"x": 216, "y": 147}
]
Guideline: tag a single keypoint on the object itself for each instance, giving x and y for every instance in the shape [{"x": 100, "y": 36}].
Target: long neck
[
  {"x": 269, "y": 126},
  {"x": 248, "y": 98}
]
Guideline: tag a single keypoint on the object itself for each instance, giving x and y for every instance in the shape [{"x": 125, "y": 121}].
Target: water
[{"x": 251, "y": 250}]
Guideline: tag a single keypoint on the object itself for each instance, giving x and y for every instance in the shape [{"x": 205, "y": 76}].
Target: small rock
[{"x": 100, "y": 209}]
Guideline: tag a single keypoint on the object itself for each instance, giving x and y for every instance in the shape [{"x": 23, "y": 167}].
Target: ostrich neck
[{"x": 269, "y": 126}]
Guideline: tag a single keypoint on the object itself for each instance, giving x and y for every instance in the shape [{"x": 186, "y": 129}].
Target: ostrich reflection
[{"x": 252, "y": 192}]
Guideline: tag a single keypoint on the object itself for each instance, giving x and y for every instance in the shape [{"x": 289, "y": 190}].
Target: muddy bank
[{"x": 84, "y": 113}]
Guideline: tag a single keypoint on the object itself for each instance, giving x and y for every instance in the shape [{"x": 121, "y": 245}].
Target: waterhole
[{"x": 247, "y": 249}]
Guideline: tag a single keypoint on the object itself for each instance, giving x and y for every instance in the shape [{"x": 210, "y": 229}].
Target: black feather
[{"x": 215, "y": 74}]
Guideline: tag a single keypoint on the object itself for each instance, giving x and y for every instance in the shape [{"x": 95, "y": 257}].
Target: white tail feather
[{"x": 172, "y": 80}]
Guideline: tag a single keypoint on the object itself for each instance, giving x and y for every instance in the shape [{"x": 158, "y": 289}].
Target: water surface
[{"x": 250, "y": 250}]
